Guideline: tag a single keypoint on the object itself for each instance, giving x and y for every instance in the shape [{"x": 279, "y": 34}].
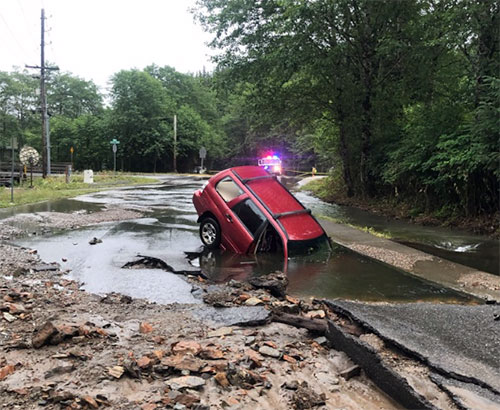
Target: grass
[
  {"x": 55, "y": 187},
  {"x": 367, "y": 229}
]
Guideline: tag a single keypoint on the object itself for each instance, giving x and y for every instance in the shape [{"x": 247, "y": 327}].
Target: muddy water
[
  {"x": 169, "y": 230},
  {"x": 476, "y": 251}
]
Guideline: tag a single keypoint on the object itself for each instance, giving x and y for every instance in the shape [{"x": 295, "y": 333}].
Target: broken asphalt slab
[
  {"x": 234, "y": 316},
  {"x": 459, "y": 342}
]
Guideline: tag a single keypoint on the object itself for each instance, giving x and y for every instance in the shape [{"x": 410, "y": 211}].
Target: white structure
[{"x": 88, "y": 176}]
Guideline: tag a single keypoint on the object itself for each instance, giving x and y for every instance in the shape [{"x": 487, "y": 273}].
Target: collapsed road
[{"x": 230, "y": 345}]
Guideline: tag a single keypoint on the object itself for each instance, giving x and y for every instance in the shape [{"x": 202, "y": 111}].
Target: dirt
[{"x": 61, "y": 347}]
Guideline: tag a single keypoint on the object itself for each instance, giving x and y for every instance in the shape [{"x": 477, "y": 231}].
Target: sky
[{"x": 93, "y": 39}]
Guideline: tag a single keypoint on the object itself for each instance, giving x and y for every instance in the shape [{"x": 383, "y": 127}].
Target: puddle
[{"x": 60, "y": 205}]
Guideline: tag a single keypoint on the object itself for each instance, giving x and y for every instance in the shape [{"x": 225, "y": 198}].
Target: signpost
[
  {"x": 114, "y": 142},
  {"x": 13, "y": 145},
  {"x": 203, "y": 155}
]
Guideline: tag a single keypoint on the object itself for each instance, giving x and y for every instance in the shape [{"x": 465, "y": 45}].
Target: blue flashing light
[{"x": 275, "y": 157}]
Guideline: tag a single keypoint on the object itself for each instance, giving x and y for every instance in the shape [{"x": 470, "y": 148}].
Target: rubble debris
[
  {"x": 254, "y": 357},
  {"x": 45, "y": 267},
  {"x": 235, "y": 316},
  {"x": 306, "y": 398},
  {"x": 253, "y": 301},
  {"x": 275, "y": 283},
  {"x": 243, "y": 378},
  {"x": 221, "y": 298},
  {"x": 269, "y": 351},
  {"x": 145, "y": 327},
  {"x": 186, "y": 382},
  {"x": 351, "y": 372},
  {"x": 316, "y": 314},
  {"x": 185, "y": 346},
  {"x": 116, "y": 371},
  {"x": 183, "y": 362},
  {"x": 42, "y": 336},
  {"x": 6, "y": 370},
  {"x": 95, "y": 241},
  {"x": 8, "y": 317},
  {"x": 221, "y": 379},
  {"x": 317, "y": 326},
  {"x": 220, "y": 332},
  {"x": 211, "y": 353},
  {"x": 59, "y": 370}
]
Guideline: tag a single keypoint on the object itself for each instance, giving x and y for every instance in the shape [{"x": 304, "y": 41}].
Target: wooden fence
[{"x": 56, "y": 168}]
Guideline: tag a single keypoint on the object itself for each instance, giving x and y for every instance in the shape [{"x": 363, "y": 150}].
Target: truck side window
[
  {"x": 250, "y": 215},
  {"x": 228, "y": 189}
]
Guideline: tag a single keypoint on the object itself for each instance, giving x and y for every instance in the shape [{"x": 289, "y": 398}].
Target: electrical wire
[
  {"x": 21, "y": 48},
  {"x": 30, "y": 29}
]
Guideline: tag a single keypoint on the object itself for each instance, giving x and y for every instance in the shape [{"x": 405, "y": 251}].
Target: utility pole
[
  {"x": 175, "y": 143},
  {"x": 43, "y": 100}
]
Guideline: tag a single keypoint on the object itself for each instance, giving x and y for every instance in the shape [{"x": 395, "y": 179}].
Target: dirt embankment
[{"x": 61, "y": 347}]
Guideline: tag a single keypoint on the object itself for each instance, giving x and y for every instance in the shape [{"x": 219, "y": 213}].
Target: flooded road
[
  {"x": 169, "y": 231},
  {"x": 476, "y": 251}
]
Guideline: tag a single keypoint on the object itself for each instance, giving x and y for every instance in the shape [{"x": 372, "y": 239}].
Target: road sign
[
  {"x": 115, "y": 142},
  {"x": 72, "y": 150},
  {"x": 203, "y": 153}
]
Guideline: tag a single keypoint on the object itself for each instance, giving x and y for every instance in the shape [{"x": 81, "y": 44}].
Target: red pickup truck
[{"x": 247, "y": 210}]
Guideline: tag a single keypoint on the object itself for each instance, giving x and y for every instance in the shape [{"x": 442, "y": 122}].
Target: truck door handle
[{"x": 229, "y": 218}]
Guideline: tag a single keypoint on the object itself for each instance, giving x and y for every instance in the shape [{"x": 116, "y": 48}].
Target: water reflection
[{"x": 339, "y": 274}]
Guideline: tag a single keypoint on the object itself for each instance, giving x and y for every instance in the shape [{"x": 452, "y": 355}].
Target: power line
[
  {"x": 29, "y": 27},
  {"x": 15, "y": 39}
]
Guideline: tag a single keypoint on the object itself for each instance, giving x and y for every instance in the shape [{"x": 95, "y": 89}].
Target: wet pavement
[{"x": 169, "y": 230}]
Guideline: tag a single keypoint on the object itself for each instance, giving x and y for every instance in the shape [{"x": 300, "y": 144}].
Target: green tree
[
  {"x": 141, "y": 111},
  {"x": 71, "y": 96}
]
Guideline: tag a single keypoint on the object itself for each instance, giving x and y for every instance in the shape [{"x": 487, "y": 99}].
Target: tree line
[
  {"x": 400, "y": 97},
  {"x": 396, "y": 99},
  {"x": 138, "y": 111}
]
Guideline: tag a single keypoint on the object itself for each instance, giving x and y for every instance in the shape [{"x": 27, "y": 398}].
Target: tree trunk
[
  {"x": 344, "y": 155},
  {"x": 366, "y": 142}
]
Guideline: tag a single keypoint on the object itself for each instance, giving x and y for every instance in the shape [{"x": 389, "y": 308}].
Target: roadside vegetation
[
  {"x": 400, "y": 98},
  {"x": 328, "y": 190},
  {"x": 56, "y": 187}
]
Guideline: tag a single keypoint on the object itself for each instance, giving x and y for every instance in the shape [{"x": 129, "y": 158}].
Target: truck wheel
[{"x": 210, "y": 233}]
